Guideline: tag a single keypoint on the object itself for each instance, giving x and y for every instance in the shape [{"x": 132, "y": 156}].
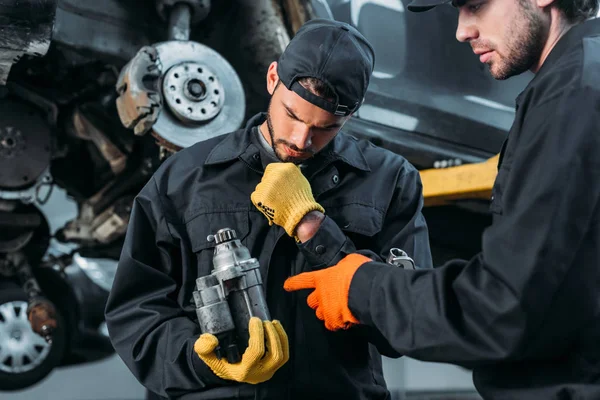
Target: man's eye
[
  {"x": 324, "y": 129},
  {"x": 474, "y": 7}
]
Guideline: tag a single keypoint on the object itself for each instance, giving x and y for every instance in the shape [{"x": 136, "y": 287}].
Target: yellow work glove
[
  {"x": 259, "y": 363},
  {"x": 284, "y": 196}
]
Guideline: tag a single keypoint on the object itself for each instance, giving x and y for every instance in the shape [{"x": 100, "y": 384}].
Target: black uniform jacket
[
  {"x": 525, "y": 313},
  {"x": 372, "y": 200}
]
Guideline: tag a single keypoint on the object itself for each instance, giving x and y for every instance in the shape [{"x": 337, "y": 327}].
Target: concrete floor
[
  {"x": 105, "y": 380},
  {"x": 111, "y": 380}
]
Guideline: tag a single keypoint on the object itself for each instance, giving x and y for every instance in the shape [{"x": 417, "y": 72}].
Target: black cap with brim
[
  {"x": 335, "y": 53},
  {"x": 425, "y": 5}
]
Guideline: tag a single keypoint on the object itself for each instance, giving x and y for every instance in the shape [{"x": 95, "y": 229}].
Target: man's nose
[
  {"x": 302, "y": 137},
  {"x": 466, "y": 30}
]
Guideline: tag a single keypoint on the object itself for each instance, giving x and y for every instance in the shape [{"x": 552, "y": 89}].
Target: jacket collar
[
  {"x": 343, "y": 148},
  {"x": 234, "y": 144},
  {"x": 567, "y": 43}
]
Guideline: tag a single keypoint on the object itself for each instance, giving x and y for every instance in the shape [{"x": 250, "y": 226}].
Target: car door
[{"x": 430, "y": 99}]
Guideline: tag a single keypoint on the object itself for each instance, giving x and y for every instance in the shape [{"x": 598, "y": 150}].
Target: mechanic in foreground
[
  {"x": 525, "y": 313},
  {"x": 350, "y": 195}
]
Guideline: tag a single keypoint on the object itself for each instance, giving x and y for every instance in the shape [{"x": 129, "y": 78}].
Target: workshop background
[{"x": 76, "y": 83}]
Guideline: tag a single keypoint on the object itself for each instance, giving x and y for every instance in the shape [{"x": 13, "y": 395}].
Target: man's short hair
[
  {"x": 578, "y": 11},
  {"x": 316, "y": 87}
]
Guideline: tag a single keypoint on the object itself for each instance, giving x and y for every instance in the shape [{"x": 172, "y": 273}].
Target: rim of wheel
[{"x": 21, "y": 349}]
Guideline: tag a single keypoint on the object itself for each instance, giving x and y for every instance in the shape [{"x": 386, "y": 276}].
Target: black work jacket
[
  {"x": 372, "y": 200},
  {"x": 525, "y": 313}
]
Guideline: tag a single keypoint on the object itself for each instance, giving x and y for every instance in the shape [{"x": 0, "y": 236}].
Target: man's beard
[
  {"x": 275, "y": 142},
  {"x": 524, "y": 45}
]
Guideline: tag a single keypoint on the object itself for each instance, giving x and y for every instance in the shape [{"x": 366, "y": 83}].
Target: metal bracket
[
  {"x": 33, "y": 193},
  {"x": 399, "y": 258}
]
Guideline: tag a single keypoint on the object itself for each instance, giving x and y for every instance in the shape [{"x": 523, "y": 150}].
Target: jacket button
[
  {"x": 335, "y": 179},
  {"x": 320, "y": 249},
  {"x": 256, "y": 156}
]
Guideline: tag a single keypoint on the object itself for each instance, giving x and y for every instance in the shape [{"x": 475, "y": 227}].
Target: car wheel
[{"x": 25, "y": 357}]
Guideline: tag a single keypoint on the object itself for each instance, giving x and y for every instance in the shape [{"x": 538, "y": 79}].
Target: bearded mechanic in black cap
[
  {"x": 289, "y": 165},
  {"x": 525, "y": 313}
]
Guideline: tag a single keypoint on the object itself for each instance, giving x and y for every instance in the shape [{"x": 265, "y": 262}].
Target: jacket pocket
[
  {"x": 496, "y": 205},
  {"x": 356, "y": 218},
  {"x": 203, "y": 225},
  {"x": 360, "y": 223}
]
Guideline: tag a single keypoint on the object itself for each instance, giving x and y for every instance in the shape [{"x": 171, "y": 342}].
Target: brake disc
[
  {"x": 203, "y": 96},
  {"x": 24, "y": 145}
]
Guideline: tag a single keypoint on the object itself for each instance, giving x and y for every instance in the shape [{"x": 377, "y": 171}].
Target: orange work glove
[{"x": 330, "y": 297}]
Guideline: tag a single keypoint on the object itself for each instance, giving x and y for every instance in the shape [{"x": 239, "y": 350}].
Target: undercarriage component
[
  {"x": 40, "y": 191},
  {"x": 224, "y": 107},
  {"x": 297, "y": 13},
  {"x": 23, "y": 233},
  {"x": 25, "y": 152},
  {"x": 24, "y": 145},
  {"x": 102, "y": 228},
  {"x": 179, "y": 22},
  {"x": 40, "y": 311},
  {"x": 26, "y": 29},
  {"x": 193, "y": 93},
  {"x": 202, "y": 92},
  {"x": 139, "y": 102},
  {"x": 22, "y": 228},
  {"x": 17, "y": 230},
  {"x": 25, "y": 221},
  {"x": 261, "y": 30},
  {"x": 86, "y": 130},
  {"x": 198, "y": 9},
  {"x": 29, "y": 95},
  {"x": 104, "y": 217},
  {"x": 115, "y": 29},
  {"x": 15, "y": 243},
  {"x": 465, "y": 182},
  {"x": 41, "y": 314}
]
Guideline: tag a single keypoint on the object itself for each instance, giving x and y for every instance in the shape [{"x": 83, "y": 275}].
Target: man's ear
[
  {"x": 544, "y": 3},
  {"x": 272, "y": 77}
]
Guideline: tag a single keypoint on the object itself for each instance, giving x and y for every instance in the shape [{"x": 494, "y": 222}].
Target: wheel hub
[
  {"x": 16, "y": 334},
  {"x": 11, "y": 142},
  {"x": 193, "y": 92},
  {"x": 21, "y": 350}
]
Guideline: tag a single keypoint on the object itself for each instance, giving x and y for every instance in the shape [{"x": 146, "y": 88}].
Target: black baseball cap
[
  {"x": 335, "y": 53},
  {"x": 425, "y": 5}
]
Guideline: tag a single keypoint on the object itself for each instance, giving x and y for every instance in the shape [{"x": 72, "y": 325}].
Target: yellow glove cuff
[{"x": 301, "y": 204}]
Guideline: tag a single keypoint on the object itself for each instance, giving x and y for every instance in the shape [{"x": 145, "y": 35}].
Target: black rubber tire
[{"x": 10, "y": 381}]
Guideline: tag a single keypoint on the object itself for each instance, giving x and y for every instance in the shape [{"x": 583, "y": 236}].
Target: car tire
[{"x": 16, "y": 337}]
